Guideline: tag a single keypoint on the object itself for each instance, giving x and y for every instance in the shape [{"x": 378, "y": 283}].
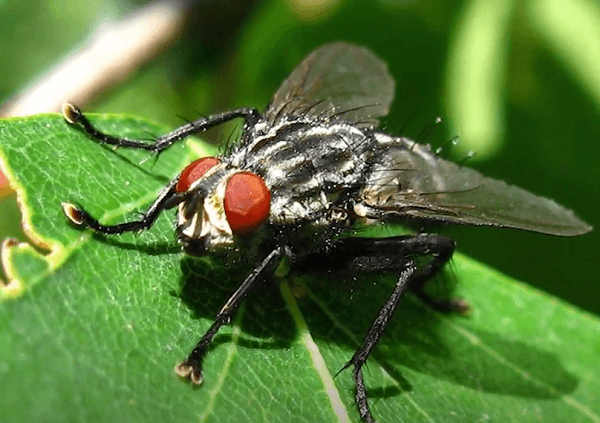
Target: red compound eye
[
  {"x": 247, "y": 202},
  {"x": 194, "y": 171}
]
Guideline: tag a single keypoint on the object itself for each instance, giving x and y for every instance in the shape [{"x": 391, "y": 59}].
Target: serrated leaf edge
[{"x": 14, "y": 287}]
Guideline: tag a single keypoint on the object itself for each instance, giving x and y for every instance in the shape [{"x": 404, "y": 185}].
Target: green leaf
[{"x": 92, "y": 326}]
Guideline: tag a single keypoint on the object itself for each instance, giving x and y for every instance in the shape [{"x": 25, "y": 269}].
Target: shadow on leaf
[
  {"x": 339, "y": 312},
  {"x": 432, "y": 343}
]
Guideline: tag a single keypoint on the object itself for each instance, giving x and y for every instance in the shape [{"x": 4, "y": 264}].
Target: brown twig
[{"x": 111, "y": 54}]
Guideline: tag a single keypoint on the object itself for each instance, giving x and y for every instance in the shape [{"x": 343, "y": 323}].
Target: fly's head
[{"x": 221, "y": 203}]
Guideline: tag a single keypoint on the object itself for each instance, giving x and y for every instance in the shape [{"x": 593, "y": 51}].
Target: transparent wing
[
  {"x": 334, "y": 79},
  {"x": 414, "y": 183}
]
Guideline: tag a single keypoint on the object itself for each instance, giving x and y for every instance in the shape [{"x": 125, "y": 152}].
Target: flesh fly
[{"x": 310, "y": 169}]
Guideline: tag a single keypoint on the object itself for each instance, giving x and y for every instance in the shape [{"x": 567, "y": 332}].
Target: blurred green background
[{"x": 519, "y": 81}]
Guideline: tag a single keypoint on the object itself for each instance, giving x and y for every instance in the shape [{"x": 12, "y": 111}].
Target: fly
[{"x": 306, "y": 172}]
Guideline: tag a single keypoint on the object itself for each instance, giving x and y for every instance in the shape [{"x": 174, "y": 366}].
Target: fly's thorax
[{"x": 310, "y": 166}]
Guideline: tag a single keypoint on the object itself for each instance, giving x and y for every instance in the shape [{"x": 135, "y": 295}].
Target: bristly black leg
[
  {"x": 191, "y": 367},
  {"x": 375, "y": 331},
  {"x": 74, "y": 116},
  {"x": 440, "y": 249},
  {"x": 386, "y": 254},
  {"x": 166, "y": 199}
]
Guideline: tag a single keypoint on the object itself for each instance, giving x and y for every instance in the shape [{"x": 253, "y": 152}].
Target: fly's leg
[
  {"x": 166, "y": 199},
  {"x": 74, "y": 116},
  {"x": 395, "y": 253},
  {"x": 375, "y": 331},
  {"x": 440, "y": 249},
  {"x": 191, "y": 367}
]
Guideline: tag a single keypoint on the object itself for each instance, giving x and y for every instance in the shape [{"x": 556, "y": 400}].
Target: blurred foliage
[{"x": 517, "y": 80}]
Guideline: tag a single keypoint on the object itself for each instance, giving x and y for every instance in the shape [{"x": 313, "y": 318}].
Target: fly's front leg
[
  {"x": 166, "y": 199},
  {"x": 191, "y": 367},
  {"x": 74, "y": 116}
]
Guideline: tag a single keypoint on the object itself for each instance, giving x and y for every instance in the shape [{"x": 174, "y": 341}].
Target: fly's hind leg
[
  {"x": 388, "y": 254},
  {"x": 440, "y": 249},
  {"x": 375, "y": 331}
]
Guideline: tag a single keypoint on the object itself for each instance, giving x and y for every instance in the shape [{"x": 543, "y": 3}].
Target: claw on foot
[
  {"x": 73, "y": 213},
  {"x": 188, "y": 371},
  {"x": 71, "y": 113}
]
